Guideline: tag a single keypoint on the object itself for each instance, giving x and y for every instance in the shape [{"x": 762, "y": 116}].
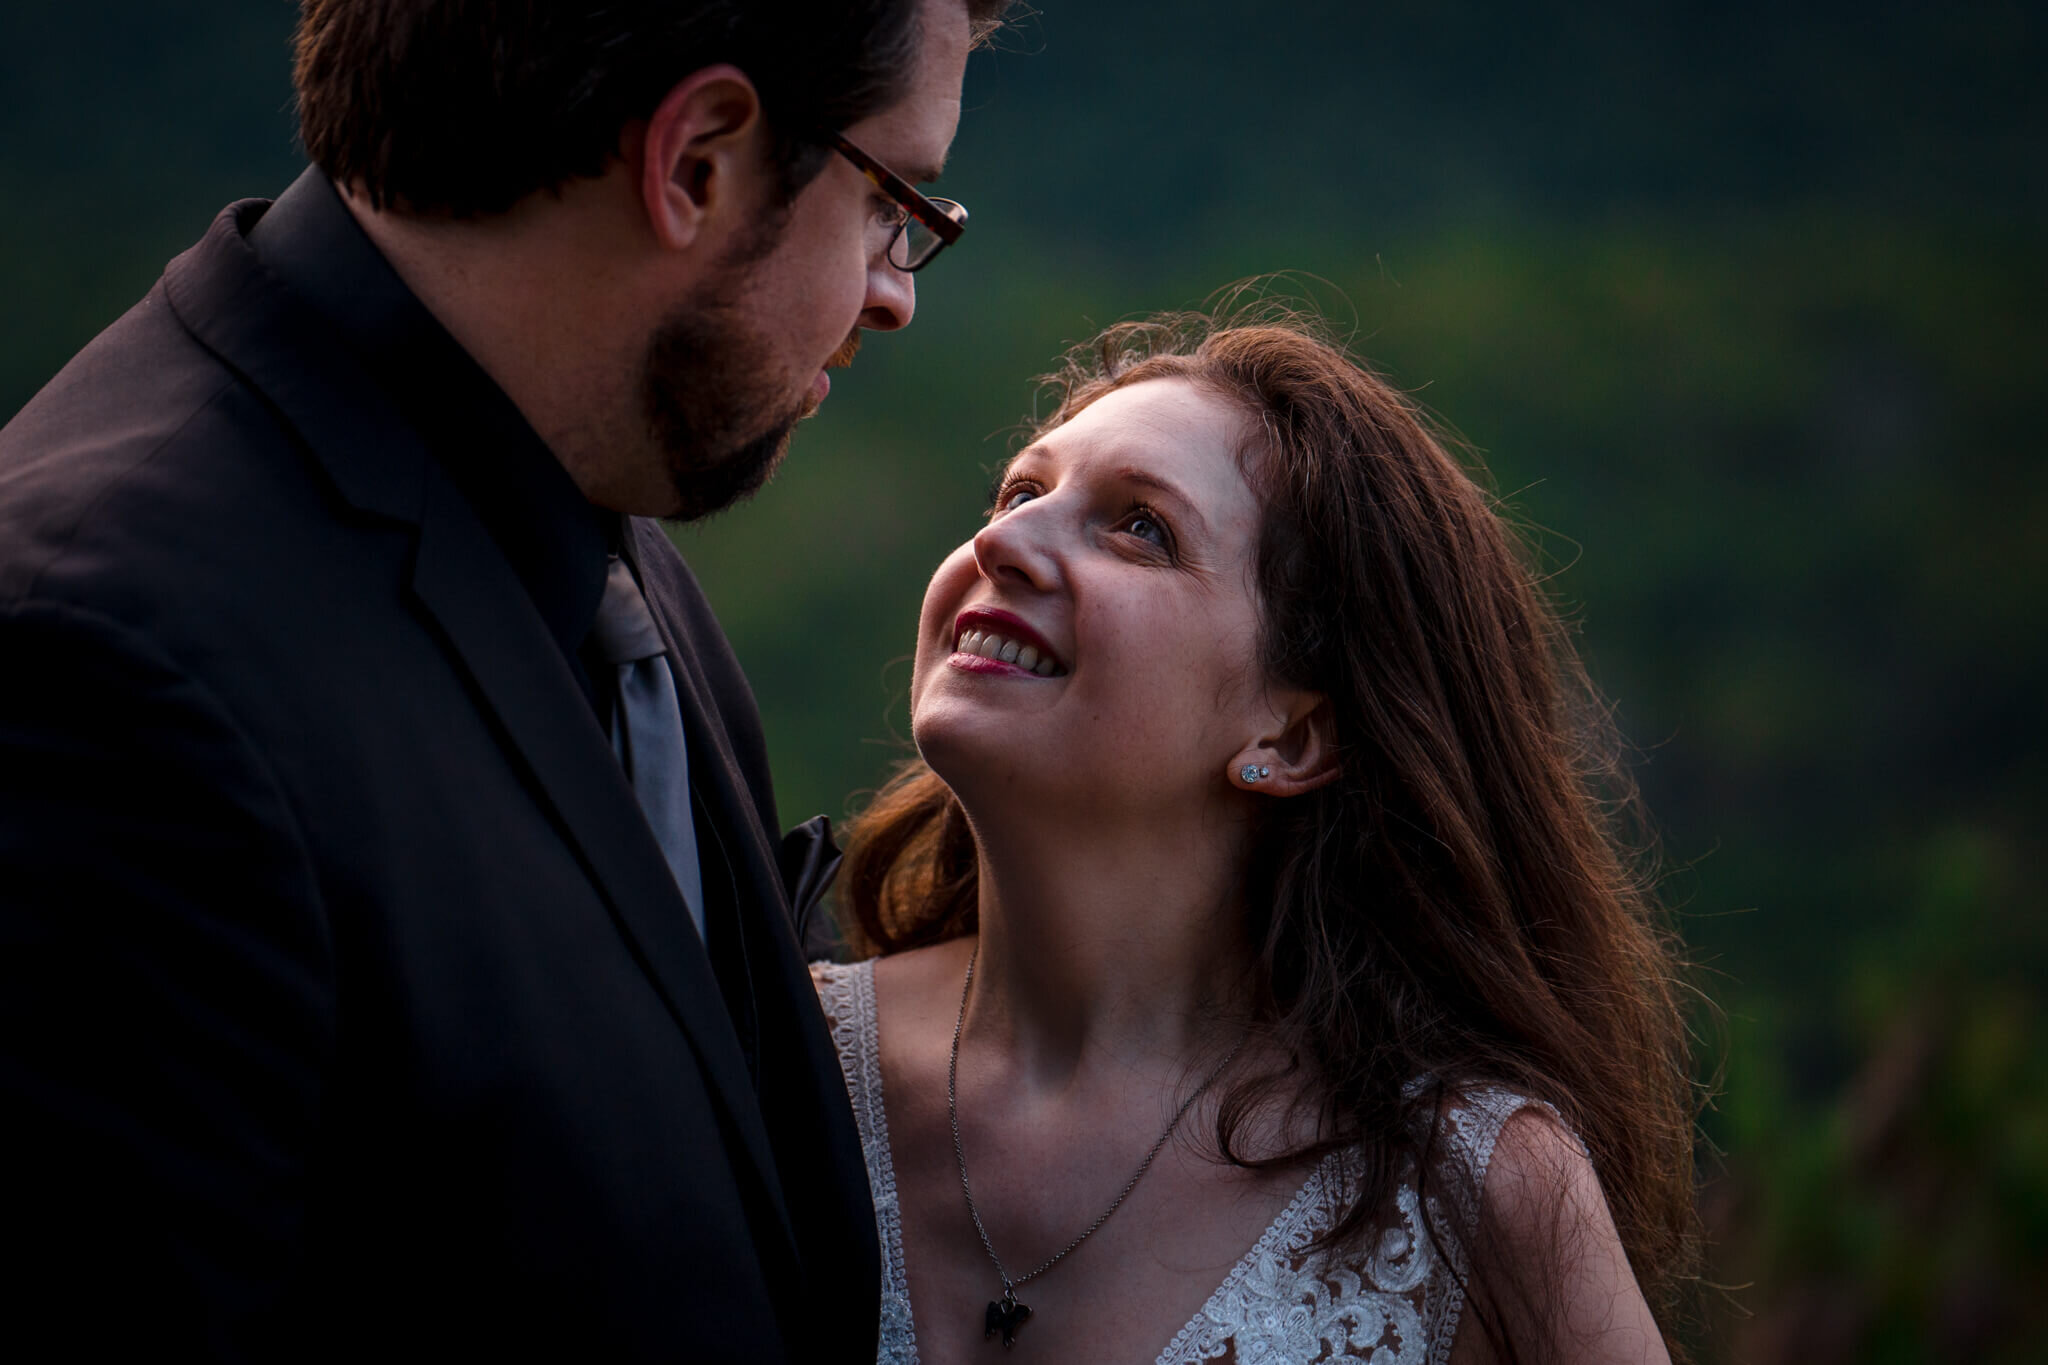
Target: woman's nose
[{"x": 1018, "y": 548}]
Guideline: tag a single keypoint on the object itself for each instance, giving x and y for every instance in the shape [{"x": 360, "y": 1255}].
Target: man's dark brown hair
[{"x": 464, "y": 107}]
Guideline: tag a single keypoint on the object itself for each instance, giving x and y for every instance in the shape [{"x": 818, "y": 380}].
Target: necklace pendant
[{"x": 1005, "y": 1315}]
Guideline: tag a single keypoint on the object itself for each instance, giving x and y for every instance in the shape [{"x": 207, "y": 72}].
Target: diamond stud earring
[{"x": 1254, "y": 772}]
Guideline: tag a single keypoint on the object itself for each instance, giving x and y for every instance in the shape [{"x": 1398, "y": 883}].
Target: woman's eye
[
  {"x": 1145, "y": 526},
  {"x": 1015, "y": 497}
]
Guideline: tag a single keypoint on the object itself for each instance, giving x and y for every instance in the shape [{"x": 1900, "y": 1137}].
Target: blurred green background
[{"x": 1744, "y": 308}]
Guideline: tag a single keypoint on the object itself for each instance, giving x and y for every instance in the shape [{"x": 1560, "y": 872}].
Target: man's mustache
[{"x": 848, "y": 348}]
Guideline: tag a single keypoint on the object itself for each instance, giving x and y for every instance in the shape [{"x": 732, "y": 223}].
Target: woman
[{"x": 1260, "y": 974}]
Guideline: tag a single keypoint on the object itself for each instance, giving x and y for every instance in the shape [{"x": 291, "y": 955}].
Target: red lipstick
[{"x": 1011, "y": 627}]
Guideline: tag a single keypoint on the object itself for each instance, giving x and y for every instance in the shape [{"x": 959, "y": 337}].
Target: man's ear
[
  {"x": 703, "y": 155},
  {"x": 1298, "y": 755}
]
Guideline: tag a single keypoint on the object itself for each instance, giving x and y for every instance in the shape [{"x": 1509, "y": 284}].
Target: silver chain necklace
[{"x": 1007, "y": 1315}]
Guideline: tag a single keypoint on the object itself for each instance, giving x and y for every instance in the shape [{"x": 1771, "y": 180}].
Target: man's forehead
[{"x": 914, "y": 135}]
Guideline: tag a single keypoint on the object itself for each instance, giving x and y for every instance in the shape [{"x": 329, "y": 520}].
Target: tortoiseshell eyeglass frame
[{"x": 944, "y": 219}]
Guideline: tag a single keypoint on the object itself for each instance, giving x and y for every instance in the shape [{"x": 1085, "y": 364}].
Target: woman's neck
[{"x": 1120, "y": 946}]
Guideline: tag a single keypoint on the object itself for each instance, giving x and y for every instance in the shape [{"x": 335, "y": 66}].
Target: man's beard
[{"x": 717, "y": 406}]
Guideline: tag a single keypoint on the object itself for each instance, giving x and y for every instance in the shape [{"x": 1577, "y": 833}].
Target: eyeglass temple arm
[{"x": 942, "y": 224}]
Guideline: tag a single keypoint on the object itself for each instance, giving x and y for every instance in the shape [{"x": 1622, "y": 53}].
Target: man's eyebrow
[{"x": 927, "y": 172}]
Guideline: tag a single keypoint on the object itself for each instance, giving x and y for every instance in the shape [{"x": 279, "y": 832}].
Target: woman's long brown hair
[{"x": 1467, "y": 900}]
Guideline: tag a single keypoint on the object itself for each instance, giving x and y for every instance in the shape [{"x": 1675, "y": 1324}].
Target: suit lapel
[
  {"x": 379, "y": 464},
  {"x": 741, "y": 885},
  {"x": 464, "y": 584},
  {"x": 737, "y": 837},
  {"x": 749, "y": 932},
  {"x": 824, "y": 1173}
]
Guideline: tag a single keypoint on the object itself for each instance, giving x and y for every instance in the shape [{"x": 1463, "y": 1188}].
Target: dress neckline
[{"x": 1294, "y": 1226}]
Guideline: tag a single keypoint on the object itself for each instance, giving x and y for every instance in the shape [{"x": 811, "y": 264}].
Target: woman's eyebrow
[
  {"x": 1124, "y": 474},
  {"x": 1145, "y": 478},
  {"x": 1009, "y": 467}
]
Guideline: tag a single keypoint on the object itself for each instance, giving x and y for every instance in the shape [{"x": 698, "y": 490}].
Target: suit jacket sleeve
[{"x": 165, "y": 1003}]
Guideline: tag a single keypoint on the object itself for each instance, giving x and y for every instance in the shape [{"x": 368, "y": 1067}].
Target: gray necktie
[{"x": 647, "y": 727}]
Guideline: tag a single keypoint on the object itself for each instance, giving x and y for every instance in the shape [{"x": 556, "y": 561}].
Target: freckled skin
[
  {"x": 1111, "y": 843},
  {"x": 1111, "y": 846},
  {"x": 1158, "y": 637}
]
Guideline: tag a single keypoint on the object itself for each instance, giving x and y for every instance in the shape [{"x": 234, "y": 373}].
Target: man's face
[{"x": 729, "y": 375}]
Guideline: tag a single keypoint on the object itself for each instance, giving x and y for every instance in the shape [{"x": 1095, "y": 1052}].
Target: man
[{"x": 394, "y": 960}]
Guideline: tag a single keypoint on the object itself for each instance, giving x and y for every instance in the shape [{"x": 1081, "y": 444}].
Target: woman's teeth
[{"x": 990, "y": 645}]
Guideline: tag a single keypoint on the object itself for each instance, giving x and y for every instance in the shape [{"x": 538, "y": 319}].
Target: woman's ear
[
  {"x": 1298, "y": 755},
  {"x": 703, "y": 155}
]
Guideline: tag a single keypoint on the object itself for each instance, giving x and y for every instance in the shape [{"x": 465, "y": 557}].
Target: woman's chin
[
  {"x": 949, "y": 747},
  {"x": 980, "y": 758}
]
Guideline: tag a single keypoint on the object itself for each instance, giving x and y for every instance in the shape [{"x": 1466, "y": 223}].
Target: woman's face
[{"x": 1114, "y": 587}]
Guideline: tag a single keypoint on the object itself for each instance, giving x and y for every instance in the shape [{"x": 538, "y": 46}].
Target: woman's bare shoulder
[
  {"x": 1555, "y": 1279},
  {"x": 922, "y": 985}
]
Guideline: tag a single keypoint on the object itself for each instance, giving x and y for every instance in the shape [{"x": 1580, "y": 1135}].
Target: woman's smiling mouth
[{"x": 983, "y": 638}]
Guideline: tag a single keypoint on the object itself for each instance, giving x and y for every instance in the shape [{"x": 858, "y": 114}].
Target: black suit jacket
[{"x": 346, "y": 1004}]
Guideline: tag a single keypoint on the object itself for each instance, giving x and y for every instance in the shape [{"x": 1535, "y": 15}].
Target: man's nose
[{"x": 891, "y": 298}]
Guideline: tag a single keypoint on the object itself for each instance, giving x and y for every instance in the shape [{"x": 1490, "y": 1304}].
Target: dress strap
[
  {"x": 1468, "y": 1127},
  {"x": 847, "y": 994}
]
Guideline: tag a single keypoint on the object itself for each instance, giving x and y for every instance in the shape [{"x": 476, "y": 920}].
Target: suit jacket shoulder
[{"x": 388, "y": 1017}]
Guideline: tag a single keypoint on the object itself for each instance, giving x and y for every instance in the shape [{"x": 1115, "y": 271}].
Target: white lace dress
[{"x": 1280, "y": 1305}]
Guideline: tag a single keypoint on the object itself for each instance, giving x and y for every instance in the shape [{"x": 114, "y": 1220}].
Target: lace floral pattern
[
  {"x": 1282, "y": 1304},
  {"x": 848, "y": 997}
]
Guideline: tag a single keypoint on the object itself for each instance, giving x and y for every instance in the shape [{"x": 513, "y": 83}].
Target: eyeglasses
[{"x": 927, "y": 225}]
